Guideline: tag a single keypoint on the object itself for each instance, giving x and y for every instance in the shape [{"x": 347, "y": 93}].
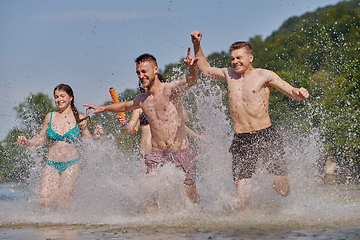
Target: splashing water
[{"x": 112, "y": 188}]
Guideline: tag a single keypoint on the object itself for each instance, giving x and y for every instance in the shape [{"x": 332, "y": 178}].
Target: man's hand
[
  {"x": 195, "y": 37},
  {"x": 97, "y": 109},
  {"x": 300, "y": 94},
  {"x": 190, "y": 61}
]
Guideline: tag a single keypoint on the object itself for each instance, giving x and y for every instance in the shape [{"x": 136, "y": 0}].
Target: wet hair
[
  {"x": 238, "y": 45},
  {"x": 145, "y": 57},
  {"x": 70, "y": 92}
]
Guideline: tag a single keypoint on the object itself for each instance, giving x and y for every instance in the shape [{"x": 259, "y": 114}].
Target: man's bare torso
[
  {"x": 164, "y": 111},
  {"x": 249, "y": 99}
]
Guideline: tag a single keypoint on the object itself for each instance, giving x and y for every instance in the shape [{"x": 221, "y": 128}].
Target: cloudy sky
[{"x": 91, "y": 45}]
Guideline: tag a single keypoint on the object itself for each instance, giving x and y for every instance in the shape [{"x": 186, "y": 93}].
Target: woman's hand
[
  {"x": 23, "y": 141},
  {"x": 98, "y": 132},
  {"x": 122, "y": 121}
]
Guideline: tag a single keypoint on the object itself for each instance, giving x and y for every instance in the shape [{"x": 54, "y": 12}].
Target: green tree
[
  {"x": 34, "y": 109},
  {"x": 15, "y": 159}
]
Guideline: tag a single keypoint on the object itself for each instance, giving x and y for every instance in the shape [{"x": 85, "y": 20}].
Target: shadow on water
[{"x": 108, "y": 202}]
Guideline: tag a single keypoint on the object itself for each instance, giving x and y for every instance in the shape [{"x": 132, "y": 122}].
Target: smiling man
[
  {"x": 255, "y": 138},
  {"x": 162, "y": 105}
]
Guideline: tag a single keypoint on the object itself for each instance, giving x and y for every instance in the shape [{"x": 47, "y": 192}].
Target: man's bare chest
[{"x": 247, "y": 91}]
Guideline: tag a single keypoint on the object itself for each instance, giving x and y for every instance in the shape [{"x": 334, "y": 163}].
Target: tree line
[{"x": 318, "y": 50}]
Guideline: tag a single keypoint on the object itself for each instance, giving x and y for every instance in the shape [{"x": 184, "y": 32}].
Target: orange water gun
[
  {"x": 121, "y": 114},
  {"x": 115, "y": 100}
]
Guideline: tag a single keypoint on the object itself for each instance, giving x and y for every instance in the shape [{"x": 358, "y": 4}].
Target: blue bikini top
[{"x": 71, "y": 136}]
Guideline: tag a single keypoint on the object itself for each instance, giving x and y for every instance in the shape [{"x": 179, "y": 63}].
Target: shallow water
[
  {"x": 108, "y": 202},
  {"x": 333, "y": 213},
  {"x": 112, "y": 232}
]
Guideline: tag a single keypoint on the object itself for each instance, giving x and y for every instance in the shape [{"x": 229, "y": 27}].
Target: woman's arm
[
  {"x": 83, "y": 126},
  {"x": 190, "y": 132},
  {"x": 133, "y": 124},
  {"x": 38, "y": 139}
]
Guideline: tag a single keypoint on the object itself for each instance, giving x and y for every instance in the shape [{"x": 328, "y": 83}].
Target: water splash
[{"x": 112, "y": 187}]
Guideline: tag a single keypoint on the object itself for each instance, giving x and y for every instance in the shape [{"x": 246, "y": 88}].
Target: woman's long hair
[{"x": 70, "y": 92}]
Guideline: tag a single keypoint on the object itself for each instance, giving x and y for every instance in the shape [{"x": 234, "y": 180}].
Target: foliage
[
  {"x": 34, "y": 109},
  {"x": 14, "y": 158},
  {"x": 337, "y": 113}
]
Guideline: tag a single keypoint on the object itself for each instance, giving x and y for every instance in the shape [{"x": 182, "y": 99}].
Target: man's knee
[{"x": 282, "y": 185}]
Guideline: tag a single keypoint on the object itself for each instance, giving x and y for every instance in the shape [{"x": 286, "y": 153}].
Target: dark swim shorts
[
  {"x": 183, "y": 159},
  {"x": 248, "y": 148}
]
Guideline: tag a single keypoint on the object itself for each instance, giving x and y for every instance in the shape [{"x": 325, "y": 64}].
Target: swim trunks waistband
[{"x": 257, "y": 131}]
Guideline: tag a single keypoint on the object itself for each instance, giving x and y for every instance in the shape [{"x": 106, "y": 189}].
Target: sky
[{"x": 91, "y": 45}]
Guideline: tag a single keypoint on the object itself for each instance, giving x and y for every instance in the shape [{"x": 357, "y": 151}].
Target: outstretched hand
[
  {"x": 195, "y": 36},
  {"x": 97, "y": 109},
  {"x": 190, "y": 60}
]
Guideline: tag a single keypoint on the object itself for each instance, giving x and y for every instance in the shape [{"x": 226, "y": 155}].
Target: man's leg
[
  {"x": 185, "y": 160},
  {"x": 282, "y": 185},
  {"x": 192, "y": 193},
  {"x": 152, "y": 198},
  {"x": 244, "y": 192}
]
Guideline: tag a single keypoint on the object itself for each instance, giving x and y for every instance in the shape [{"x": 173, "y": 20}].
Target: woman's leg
[
  {"x": 49, "y": 186},
  {"x": 67, "y": 183}
]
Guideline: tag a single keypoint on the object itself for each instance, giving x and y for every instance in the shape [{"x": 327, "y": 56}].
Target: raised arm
[
  {"x": 205, "y": 68},
  {"x": 190, "y": 78},
  {"x": 295, "y": 93},
  {"x": 191, "y": 62}
]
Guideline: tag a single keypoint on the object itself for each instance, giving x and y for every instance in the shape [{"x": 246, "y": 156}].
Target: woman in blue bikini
[{"x": 63, "y": 128}]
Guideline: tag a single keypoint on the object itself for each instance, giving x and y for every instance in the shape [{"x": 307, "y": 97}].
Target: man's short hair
[
  {"x": 145, "y": 57},
  {"x": 238, "y": 45}
]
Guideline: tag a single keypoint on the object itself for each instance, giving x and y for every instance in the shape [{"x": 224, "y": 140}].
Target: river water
[
  {"x": 108, "y": 202},
  {"x": 109, "y": 196},
  {"x": 332, "y": 213}
]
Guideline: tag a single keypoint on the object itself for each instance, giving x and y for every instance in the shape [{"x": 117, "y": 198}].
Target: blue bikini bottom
[{"x": 61, "y": 166}]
